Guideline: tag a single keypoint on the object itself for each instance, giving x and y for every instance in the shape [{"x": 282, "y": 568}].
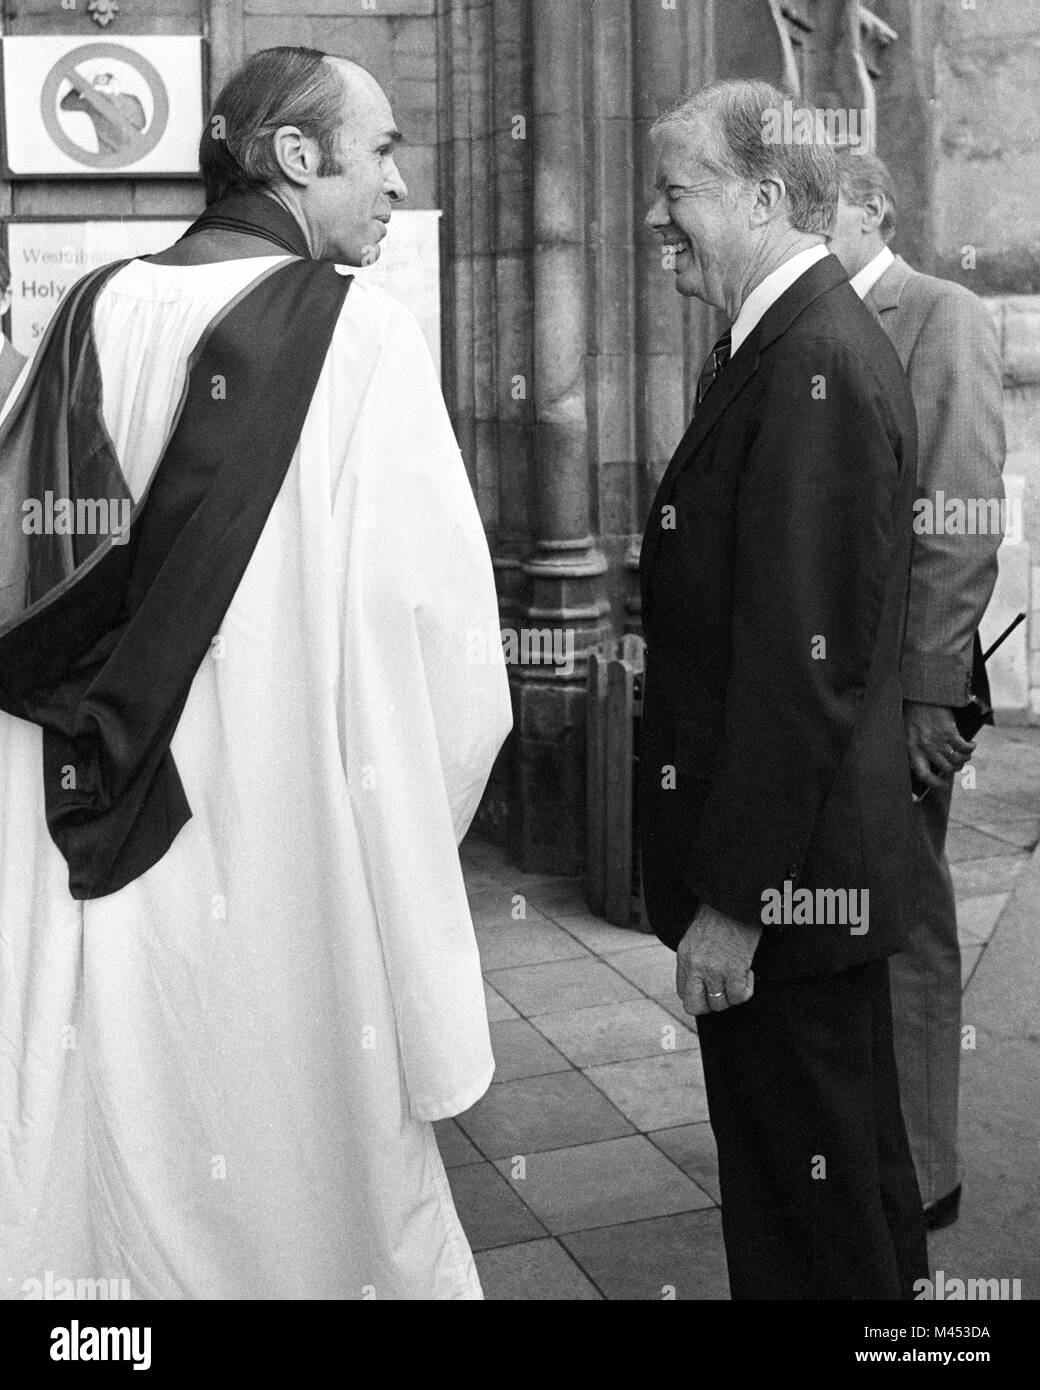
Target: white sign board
[
  {"x": 131, "y": 105},
  {"x": 48, "y": 257},
  {"x": 409, "y": 268}
]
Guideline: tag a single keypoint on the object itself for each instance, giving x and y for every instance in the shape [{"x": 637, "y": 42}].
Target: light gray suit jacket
[{"x": 950, "y": 352}]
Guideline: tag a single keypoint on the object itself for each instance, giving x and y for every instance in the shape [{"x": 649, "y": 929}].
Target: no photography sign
[{"x": 74, "y": 107}]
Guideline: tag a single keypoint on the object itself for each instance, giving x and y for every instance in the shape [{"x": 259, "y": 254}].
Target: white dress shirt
[
  {"x": 765, "y": 295},
  {"x": 864, "y": 280}
]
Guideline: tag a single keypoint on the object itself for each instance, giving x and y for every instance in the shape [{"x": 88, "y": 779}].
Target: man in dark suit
[
  {"x": 775, "y": 792},
  {"x": 948, "y": 345}
]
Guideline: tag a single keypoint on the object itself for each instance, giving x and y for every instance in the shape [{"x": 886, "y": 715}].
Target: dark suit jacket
[{"x": 774, "y": 603}]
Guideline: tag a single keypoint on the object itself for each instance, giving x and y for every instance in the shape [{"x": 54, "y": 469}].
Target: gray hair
[
  {"x": 274, "y": 87},
  {"x": 862, "y": 176},
  {"x": 737, "y": 114}
]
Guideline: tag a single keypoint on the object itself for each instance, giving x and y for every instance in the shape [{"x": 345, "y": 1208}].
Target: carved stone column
[
  {"x": 226, "y": 43},
  {"x": 672, "y": 56},
  {"x": 565, "y": 569},
  {"x": 514, "y": 296}
]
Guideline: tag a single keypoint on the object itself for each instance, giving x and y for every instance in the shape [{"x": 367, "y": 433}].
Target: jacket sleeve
[
  {"x": 954, "y": 374},
  {"x": 815, "y": 525}
]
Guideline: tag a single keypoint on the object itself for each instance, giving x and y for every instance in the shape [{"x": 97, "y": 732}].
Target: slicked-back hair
[
  {"x": 861, "y": 176},
  {"x": 275, "y": 87},
  {"x": 5, "y": 273},
  {"x": 736, "y": 114}
]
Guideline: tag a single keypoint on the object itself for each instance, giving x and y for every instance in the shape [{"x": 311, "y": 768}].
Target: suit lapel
[
  {"x": 735, "y": 376},
  {"x": 888, "y": 291},
  {"x": 822, "y": 276}
]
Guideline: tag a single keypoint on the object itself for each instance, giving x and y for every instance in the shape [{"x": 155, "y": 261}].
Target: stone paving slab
[
  {"x": 670, "y": 1257},
  {"x": 655, "y": 1092},
  {"x": 616, "y": 1032},
  {"x": 541, "y": 1112},
  {"x": 600, "y": 936},
  {"x": 970, "y": 957},
  {"x": 652, "y": 968},
  {"x": 968, "y": 842},
  {"x": 456, "y": 1149},
  {"x": 490, "y": 1211},
  {"x": 498, "y": 1009},
  {"x": 603, "y": 1211},
  {"x": 602, "y": 1184},
  {"x": 692, "y": 1147},
  {"x": 976, "y": 878},
  {"x": 554, "y": 895},
  {"x": 561, "y": 985},
  {"x": 529, "y": 942},
  {"x": 521, "y": 1051},
  {"x": 539, "y": 1270},
  {"x": 976, "y": 917}
]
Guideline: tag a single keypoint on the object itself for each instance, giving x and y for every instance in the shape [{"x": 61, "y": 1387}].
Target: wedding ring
[{"x": 716, "y": 996}]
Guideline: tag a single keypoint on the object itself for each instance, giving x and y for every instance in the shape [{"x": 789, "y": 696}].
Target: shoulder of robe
[
  {"x": 375, "y": 302},
  {"x": 381, "y": 319}
]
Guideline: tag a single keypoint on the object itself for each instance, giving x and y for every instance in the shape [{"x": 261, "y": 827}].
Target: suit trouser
[
  {"x": 819, "y": 1197},
  {"x": 926, "y": 1007}
]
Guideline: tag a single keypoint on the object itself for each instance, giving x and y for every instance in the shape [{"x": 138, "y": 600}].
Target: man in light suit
[
  {"x": 773, "y": 772},
  {"x": 948, "y": 346}
]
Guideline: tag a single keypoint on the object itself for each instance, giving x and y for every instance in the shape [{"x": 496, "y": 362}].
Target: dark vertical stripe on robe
[{"x": 100, "y": 642}]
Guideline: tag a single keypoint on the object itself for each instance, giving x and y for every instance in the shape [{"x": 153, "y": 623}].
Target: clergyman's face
[
  {"x": 701, "y": 215},
  {"x": 348, "y": 213}
]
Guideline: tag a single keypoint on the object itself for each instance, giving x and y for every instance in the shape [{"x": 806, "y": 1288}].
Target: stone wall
[
  {"x": 986, "y": 154},
  {"x": 101, "y": 197},
  {"x": 1015, "y": 669},
  {"x": 958, "y": 123},
  {"x": 395, "y": 39},
  {"x": 568, "y": 359}
]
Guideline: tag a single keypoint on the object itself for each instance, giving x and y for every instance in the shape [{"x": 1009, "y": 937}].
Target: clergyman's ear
[{"x": 296, "y": 155}]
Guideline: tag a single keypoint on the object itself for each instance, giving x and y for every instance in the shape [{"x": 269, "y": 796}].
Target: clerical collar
[
  {"x": 254, "y": 214},
  {"x": 765, "y": 295},
  {"x": 864, "y": 280}
]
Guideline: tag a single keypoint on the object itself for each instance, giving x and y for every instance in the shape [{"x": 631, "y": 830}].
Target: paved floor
[{"x": 588, "y": 1170}]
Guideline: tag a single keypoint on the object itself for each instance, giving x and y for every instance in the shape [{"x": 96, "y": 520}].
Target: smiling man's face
[{"x": 701, "y": 215}]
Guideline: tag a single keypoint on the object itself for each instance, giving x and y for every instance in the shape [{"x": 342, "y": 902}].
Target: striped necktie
[{"x": 716, "y": 360}]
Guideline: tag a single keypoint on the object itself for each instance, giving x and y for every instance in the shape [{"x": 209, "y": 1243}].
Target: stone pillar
[
  {"x": 226, "y": 43},
  {"x": 612, "y": 194},
  {"x": 752, "y": 39},
  {"x": 672, "y": 56},
  {"x": 455, "y": 177},
  {"x": 835, "y": 74},
  {"x": 907, "y": 139},
  {"x": 564, "y": 569},
  {"x": 514, "y": 299}
]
